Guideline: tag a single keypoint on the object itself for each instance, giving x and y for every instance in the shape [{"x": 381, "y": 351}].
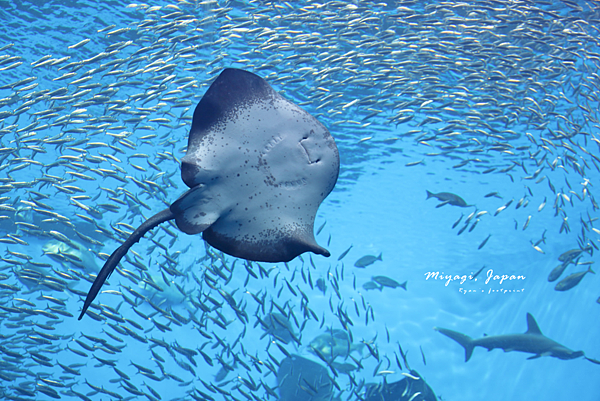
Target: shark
[{"x": 532, "y": 342}]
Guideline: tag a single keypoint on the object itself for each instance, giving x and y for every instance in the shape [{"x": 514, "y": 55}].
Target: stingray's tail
[
  {"x": 464, "y": 340},
  {"x": 118, "y": 254}
]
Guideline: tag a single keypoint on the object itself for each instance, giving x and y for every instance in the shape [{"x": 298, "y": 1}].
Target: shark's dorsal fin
[{"x": 532, "y": 326}]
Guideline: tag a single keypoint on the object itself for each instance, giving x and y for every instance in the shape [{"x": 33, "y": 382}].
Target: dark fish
[
  {"x": 388, "y": 282},
  {"x": 367, "y": 260},
  {"x": 300, "y": 379},
  {"x": 462, "y": 229},
  {"x": 371, "y": 285},
  {"x": 278, "y": 326},
  {"x": 448, "y": 197},
  {"x": 444, "y": 203},
  {"x": 344, "y": 253},
  {"x": 345, "y": 368},
  {"x": 222, "y": 373},
  {"x": 321, "y": 228},
  {"x": 477, "y": 274},
  {"x": 558, "y": 271},
  {"x": 321, "y": 285},
  {"x": 571, "y": 254},
  {"x": 484, "y": 242},
  {"x": 411, "y": 388},
  {"x": 457, "y": 221},
  {"x": 572, "y": 280},
  {"x": 332, "y": 344}
]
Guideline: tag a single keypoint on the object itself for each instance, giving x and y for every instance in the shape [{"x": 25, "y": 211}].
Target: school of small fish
[{"x": 91, "y": 136}]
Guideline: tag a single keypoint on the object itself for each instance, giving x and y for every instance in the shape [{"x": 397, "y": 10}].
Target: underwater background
[{"x": 493, "y": 101}]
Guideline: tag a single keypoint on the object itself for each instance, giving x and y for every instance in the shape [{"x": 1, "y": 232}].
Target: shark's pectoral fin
[
  {"x": 597, "y": 362},
  {"x": 547, "y": 353},
  {"x": 577, "y": 354}
]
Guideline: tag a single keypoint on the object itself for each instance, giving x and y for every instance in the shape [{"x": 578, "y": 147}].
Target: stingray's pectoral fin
[
  {"x": 319, "y": 250},
  {"x": 117, "y": 255},
  {"x": 195, "y": 210}
]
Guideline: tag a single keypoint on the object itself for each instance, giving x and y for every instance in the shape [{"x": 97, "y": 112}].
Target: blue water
[{"x": 378, "y": 206}]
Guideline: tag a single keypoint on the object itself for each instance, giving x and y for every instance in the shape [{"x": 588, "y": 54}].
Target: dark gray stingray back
[{"x": 258, "y": 167}]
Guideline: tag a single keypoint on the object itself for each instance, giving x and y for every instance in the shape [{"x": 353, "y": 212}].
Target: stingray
[
  {"x": 258, "y": 167},
  {"x": 300, "y": 379}
]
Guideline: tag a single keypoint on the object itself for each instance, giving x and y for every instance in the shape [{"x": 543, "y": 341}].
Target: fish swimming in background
[
  {"x": 279, "y": 327},
  {"x": 494, "y": 194},
  {"x": 448, "y": 198},
  {"x": 411, "y": 388},
  {"x": 558, "y": 271},
  {"x": 572, "y": 280},
  {"x": 367, "y": 260},
  {"x": 345, "y": 253},
  {"x": 321, "y": 285},
  {"x": 224, "y": 370},
  {"x": 532, "y": 341},
  {"x": 568, "y": 256},
  {"x": 388, "y": 282},
  {"x": 371, "y": 285},
  {"x": 332, "y": 344},
  {"x": 156, "y": 289},
  {"x": 258, "y": 168},
  {"x": 300, "y": 379},
  {"x": 91, "y": 141},
  {"x": 73, "y": 252}
]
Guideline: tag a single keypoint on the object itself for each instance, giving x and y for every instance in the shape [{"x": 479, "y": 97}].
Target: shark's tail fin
[{"x": 464, "y": 340}]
